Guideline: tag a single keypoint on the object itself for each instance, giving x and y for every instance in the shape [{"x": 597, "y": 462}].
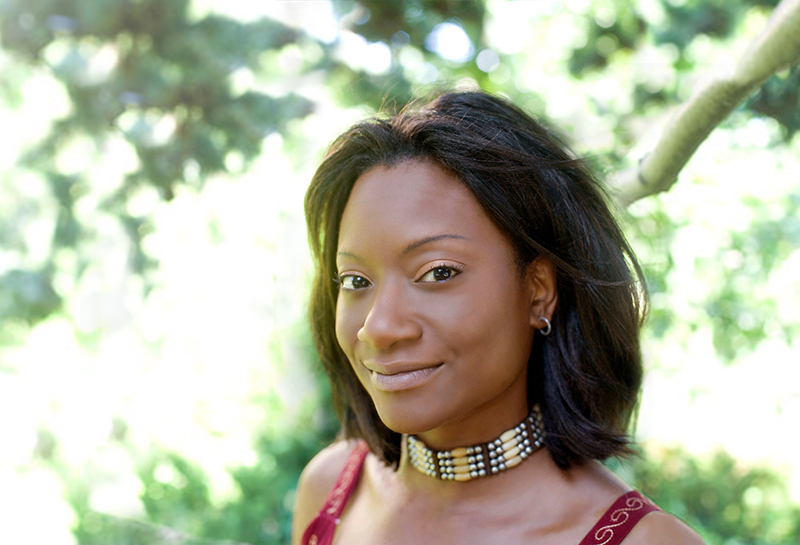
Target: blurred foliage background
[{"x": 157, "y": 384}]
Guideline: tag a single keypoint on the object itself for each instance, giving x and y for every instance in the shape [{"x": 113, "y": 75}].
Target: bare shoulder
[
  {"x": 659, "y": 528},
  {"x": 316, "y": 481},
  {"x": 600, "y": 488}
]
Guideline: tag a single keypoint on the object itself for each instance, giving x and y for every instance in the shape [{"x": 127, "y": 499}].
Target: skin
[
  {"x": 442, "y": 290},
  {"x": 438, "y": 322}
]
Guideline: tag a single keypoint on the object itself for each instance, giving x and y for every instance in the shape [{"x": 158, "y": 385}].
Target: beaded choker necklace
[{"x": 467, "y": 463}]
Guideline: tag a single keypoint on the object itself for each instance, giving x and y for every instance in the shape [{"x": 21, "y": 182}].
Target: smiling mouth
[{"x": 403, "y": 380}]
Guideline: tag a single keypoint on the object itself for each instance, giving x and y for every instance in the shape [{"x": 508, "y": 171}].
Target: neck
[{"x": 482, "y": 424}]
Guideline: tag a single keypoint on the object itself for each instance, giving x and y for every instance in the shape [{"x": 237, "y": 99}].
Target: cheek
[
  {"x": 491, "y": 319},
  {"x": 346, "y": 328},
  {"x": 457, "y": 323}
]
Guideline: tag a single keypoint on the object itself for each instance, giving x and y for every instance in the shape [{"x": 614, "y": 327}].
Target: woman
[{"x": 477, "y": 310}]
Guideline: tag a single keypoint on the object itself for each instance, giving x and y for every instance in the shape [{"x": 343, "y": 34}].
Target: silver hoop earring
[{"x": 549, "y": 327}]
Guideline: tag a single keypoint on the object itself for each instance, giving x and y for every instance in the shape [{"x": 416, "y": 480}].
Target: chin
[{"x": 411, "y": 418}]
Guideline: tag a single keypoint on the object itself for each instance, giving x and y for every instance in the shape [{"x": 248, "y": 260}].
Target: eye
[
  {"x": 440, "y": 273},
  {"x": 352, "y": 282}
]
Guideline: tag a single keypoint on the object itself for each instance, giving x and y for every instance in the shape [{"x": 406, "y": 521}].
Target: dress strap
[
  {"x": 620, "y": 519},
  {"x": 320, "y": 531}
]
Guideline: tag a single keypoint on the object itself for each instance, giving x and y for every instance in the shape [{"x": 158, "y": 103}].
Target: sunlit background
[{"x": 154, "y": 361}]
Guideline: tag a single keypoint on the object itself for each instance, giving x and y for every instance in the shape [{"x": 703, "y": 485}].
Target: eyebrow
[
  {"x": 417, "y": 243},
  {"x": 413, "y": 246}
]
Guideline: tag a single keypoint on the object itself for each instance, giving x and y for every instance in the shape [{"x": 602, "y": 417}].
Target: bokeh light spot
[
  {"x": 449, "y": 41},
  {"x": 487, "y": 60}
]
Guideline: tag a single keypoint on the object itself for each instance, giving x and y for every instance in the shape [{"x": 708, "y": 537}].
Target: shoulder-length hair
[{"x": 586, "y": 375}]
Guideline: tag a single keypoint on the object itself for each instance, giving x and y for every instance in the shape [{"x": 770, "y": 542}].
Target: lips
[{"x": 399, "y": 376}]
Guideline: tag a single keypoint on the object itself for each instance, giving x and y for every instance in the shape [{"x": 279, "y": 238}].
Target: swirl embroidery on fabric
[
  {"x": 619, "y": 517},
  {"x": 338, "y": 493}
]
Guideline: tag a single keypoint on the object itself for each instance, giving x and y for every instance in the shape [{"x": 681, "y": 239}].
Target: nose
[{"x": 390, "y": 319}]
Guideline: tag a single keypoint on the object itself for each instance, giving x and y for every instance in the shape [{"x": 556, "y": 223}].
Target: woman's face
[{"x": 432, "y": 311}]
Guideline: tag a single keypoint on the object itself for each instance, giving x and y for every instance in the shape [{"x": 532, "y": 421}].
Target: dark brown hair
[{"x": 587, "y": 373}]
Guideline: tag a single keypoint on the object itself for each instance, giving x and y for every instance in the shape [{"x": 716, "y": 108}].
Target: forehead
[{"x": 411, "y": 201}]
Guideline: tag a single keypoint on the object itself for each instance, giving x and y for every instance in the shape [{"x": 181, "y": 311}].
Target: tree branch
[{"x": 778, "y": 46}]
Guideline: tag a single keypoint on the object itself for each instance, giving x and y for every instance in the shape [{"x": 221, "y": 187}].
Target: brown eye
[
  {"x": 352, "y": 282},
  {"x": 439, "y": 274}
]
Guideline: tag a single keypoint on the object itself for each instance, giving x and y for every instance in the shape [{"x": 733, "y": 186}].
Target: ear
[{"x": 542, "y": 286}]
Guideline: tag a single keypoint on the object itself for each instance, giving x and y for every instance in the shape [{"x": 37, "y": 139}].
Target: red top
[
  {"x": 320, "y": 531},
  {"x": 620, "y": 519},
  {"x": 611, "y": 529}
]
